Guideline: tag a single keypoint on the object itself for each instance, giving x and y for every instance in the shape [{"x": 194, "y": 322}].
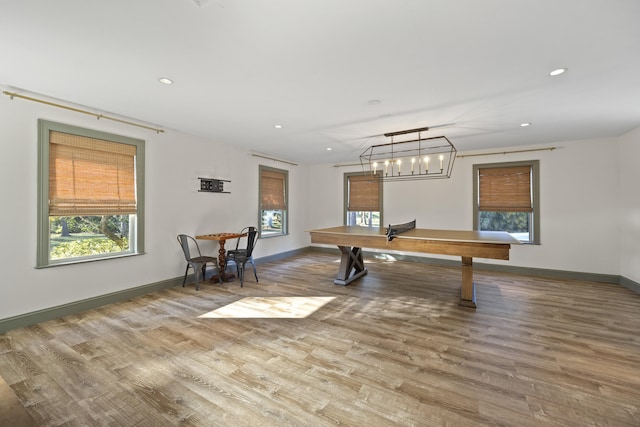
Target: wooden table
[
  {"x": 466, "y": 244},
  {"x": 222, "y": 253}
]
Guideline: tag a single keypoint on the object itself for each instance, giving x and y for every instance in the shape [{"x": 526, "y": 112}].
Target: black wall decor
[{"x": 211, "y": 185}]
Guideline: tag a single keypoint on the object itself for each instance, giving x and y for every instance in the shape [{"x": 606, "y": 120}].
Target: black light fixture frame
[{"x": 422, "y": 158}]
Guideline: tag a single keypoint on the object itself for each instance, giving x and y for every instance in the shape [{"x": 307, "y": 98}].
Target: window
[
  {"x": 90, "y": 195},
  {"x": 273, "y": 201},
  {"x": 506, "y": 199},
  {"x": 363, "y": 200}
]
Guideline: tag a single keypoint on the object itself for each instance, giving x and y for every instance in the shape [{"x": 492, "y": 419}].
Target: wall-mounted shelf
[{"x": 212, "y": 185}]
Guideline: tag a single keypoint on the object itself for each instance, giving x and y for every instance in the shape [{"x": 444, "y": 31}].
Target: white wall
[
  {"x": 173, "y": 205},
  {"x": 579, "y": 204},
  {"x": 630, "y": 205}
]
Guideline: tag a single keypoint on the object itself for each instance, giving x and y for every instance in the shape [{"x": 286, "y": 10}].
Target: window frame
[
  {"x": 345, "y": 193},
  {"x": 285, "y": 212},
  {"x": 136, "y": 244},
  {"x": 535, "y": 195}
]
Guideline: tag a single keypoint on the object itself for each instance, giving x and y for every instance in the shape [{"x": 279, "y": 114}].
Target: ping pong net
[{"x": 396, "y": 229}]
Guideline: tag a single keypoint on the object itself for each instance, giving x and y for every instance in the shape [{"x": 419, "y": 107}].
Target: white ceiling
[{"x": 242, "y": 66}]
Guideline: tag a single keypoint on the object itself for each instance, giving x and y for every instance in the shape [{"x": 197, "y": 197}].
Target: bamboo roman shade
[
  {"x": 505, "y": 189},
  {"x": 272, "y": 187},
  {"x": 89, "y": 176},
  {"x": 364, "y": 194}
]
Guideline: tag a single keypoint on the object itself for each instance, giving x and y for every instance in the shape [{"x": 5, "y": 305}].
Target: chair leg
[
  {"x": 241, "y": 273},
  {"x": 196, "y": 272},
  {"x": 185, "y": 275},
  {"x": 255, "y": 273},
  {"x": 237, "y": 268}
]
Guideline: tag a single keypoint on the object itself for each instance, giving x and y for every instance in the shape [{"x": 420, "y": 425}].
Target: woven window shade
[
  {"x": 273, "y": 190},
  {"x": 364, "y": 194},
  {"x": 505, "y": 189},
  {"x": 89, "y": 176}
]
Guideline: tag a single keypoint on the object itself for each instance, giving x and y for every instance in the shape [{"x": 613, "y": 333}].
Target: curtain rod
[
  {"x": 507, "y": 152},
  {"x": 343, "y": 165},
  {"x": 77, "y": 110},
  {"x": 264, "y": 156}
]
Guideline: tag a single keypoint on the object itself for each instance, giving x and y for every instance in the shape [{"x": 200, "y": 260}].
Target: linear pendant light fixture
[{"x": 409, "y": 156}]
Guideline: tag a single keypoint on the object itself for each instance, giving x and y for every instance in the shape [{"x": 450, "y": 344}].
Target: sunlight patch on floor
[
  {"x": 269, "y": 307},
  {"x": 384, "y": 257}
]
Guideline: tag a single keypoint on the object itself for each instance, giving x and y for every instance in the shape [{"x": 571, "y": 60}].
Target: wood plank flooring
[{"x": 390, "y": 349}]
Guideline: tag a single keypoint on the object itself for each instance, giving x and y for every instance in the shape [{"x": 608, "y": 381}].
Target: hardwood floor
[{"x": 393, "y": 348}]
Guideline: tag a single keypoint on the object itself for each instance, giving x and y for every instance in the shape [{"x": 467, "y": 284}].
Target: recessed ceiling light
[
  {"x": 524, "y": 125},
  {"x": 278, "y": 126},
  {"x": 329, "y": 148},
  {"x": 165, "y": 81},
  {"x": 558, "y": 71}
]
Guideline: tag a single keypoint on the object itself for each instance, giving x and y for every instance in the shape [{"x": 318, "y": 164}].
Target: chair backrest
[
  {"x": 188, "y": 245},
  {"x": 252, "y": 237}
]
